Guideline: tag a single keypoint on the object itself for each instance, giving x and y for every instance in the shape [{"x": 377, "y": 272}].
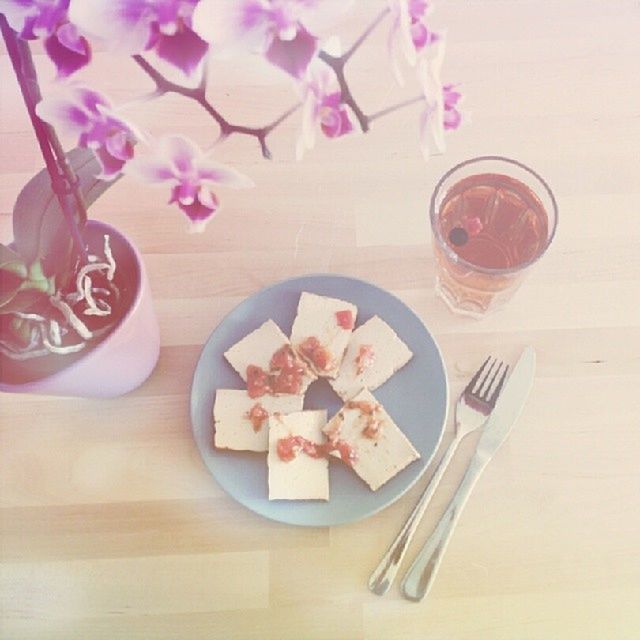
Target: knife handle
[
  {"x": 384, "y": 574},
  {"x": 420, "y": 576}
]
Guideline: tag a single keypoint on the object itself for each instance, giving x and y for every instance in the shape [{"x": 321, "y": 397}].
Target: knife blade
[
  {"x": 509, "y": 404},
  {"x": 420, "y": 576}
]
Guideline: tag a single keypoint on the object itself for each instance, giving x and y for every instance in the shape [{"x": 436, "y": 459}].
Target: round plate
[{"x": 416, "y": 397}]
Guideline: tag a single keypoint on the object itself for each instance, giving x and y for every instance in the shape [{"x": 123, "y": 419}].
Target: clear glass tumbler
[{"x": 492, "y": 218}]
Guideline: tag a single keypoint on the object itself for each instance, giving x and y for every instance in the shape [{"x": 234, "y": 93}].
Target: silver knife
[{"x": 421, "y": 574}]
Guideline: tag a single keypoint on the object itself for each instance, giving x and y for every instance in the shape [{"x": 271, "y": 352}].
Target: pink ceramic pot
[{"x": 128, "y": 355}]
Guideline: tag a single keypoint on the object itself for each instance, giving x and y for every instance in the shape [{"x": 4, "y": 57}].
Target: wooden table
[{"x": 111, "y": 526}]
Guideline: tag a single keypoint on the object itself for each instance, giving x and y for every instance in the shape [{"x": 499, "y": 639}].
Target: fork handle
[
  {"x": 383, "y": 575},
  {"x": 420, "y": 576}
]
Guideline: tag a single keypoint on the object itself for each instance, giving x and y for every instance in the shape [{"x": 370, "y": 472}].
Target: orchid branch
[
  {"x": 395, "y": 107},
  {"x": 337, "y": 64},
  {"x": 63, "y": 180},
  {"x": 198, "y": 94},
  {"x": 365, "y": 34}
]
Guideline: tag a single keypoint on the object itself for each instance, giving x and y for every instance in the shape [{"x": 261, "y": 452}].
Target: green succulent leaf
[
  {"x": 39, "y": 228},
  {"x": 11, "y": 261},
  {"x": 13, "y": 274}
]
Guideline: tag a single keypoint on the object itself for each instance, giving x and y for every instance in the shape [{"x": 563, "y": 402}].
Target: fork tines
[{"x": 488, "y": 380}]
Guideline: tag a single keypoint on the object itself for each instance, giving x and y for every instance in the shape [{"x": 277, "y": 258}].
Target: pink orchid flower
[
  {"x": 322, "y": 106},
  {"x": 177, "y": 162},
  {"x": 134, "y": 26},
  {"x": 281, "y": 30},
  {"x": 452, "y": 118},
  {"x": 89, "y": 116},
  {"x": 47, "y": 19},
  {"x": 440, "y": 112},
  {"x": 409, "y": 33}
]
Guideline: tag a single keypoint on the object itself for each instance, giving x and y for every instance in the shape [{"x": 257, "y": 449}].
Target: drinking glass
[{"x": 492, "y": 219}]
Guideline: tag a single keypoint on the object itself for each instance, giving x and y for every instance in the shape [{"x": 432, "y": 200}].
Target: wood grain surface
[{"x": 111, "y": 527}]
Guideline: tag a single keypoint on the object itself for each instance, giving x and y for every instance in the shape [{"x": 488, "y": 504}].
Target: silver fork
[{"x": 472, "y": 409}]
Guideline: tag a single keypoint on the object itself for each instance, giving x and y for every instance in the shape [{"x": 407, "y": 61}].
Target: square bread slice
[
  {"x": 257, "y": 348},
  {"x": 241, "y": 422},
  {"x": 327, "y": 323},
  {"x": 304, "y": 477},
  {"x": 373, "y": 355},
  {"x": 380, "y": 447}
]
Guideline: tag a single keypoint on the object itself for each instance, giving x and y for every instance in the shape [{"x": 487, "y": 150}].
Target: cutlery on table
[
  {"x": 421, "y": 574},
  {"x": 474, "y": 405}
]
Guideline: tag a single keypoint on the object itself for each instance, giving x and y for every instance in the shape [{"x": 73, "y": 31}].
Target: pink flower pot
[{"x": 127, "y": 356}]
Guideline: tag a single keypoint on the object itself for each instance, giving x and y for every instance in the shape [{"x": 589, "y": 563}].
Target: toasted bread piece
[
  {"x": 241, "y": 422},
  {"x": 303, "y": 477},
  {"x": 381, "y": 449},
  {"x": 373, "y": 355},
  {"x": 330, "y": 322},
  {"x": 257, "y": 348}
]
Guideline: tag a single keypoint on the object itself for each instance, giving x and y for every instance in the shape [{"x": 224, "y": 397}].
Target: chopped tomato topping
[
  {"x": 332, "y": 430},
  {"x": 287, "y": 371},
  {"x": 289, "y": 447},
  {"x": 367, "y": 408},
  {"x": 315, "y": 353},
  {"x": 365, "y": 358},
  {"x": 288, "y": 381},
  {"x": 285, "y": 449},
  {"x": 257, "y": 381},
  {"x": 283, "y": 358},
  {"x": 348, "y": 454},
  {"x": 345, "y": 319},
  {"x": 372, "y": 428},
  {"x": 258, "y": 416},
  {"x": 285, "y": 374}
]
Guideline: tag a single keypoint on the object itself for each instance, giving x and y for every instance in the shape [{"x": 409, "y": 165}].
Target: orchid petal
[
  {"x": 208, "y": 199},
  {"x": 432, "y": 119},
  {"x": 34, "y": 20},
  {"x": 179, "y": 152},
  {"x": 319, "y": 15},
  {"x": 119, "y": 145},
  {"x": 405, "y": 36},
  {"x": 201, "y": 210},
  {"x": 179, "y": 162},
  {"x": 393, "y": 49},
  {"x": 92, "y": 101},
  {"x": 227, "y": 176},
  {"x": 18, "y": 13},
  {"x": 336, "y": 123},
  {"x": 70, "y": 38},
  {"x": 67, "y": 54},
  {"x": 63, "y": 114},
  {"x": 184, "y": 50},
  {"x": 185, "y": 193},
  {"x": 126, "y": 25},
  {"x": 293, "y": 56},
  {"x": 233, "y": 25},
  {"x": 111, "y": 166},
  {"x": 310, "y": 118},
  {"x": 452, "y": 118},
  {"x": 150, "y": 170}
]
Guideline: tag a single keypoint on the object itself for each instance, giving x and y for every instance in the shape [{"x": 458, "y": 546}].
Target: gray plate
[{"x": 416, "y": 397}]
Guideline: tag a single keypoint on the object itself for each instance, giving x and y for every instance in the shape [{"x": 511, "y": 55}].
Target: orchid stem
[
  {"x": 64, "y": 182},
  {"x": 337, "y": 64},
  {"x": 395, "y": 107},
  {"x": 164, "y": 85},
  {"x": 278, "y": 121},
  {"x": 365, "y": 34}
]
